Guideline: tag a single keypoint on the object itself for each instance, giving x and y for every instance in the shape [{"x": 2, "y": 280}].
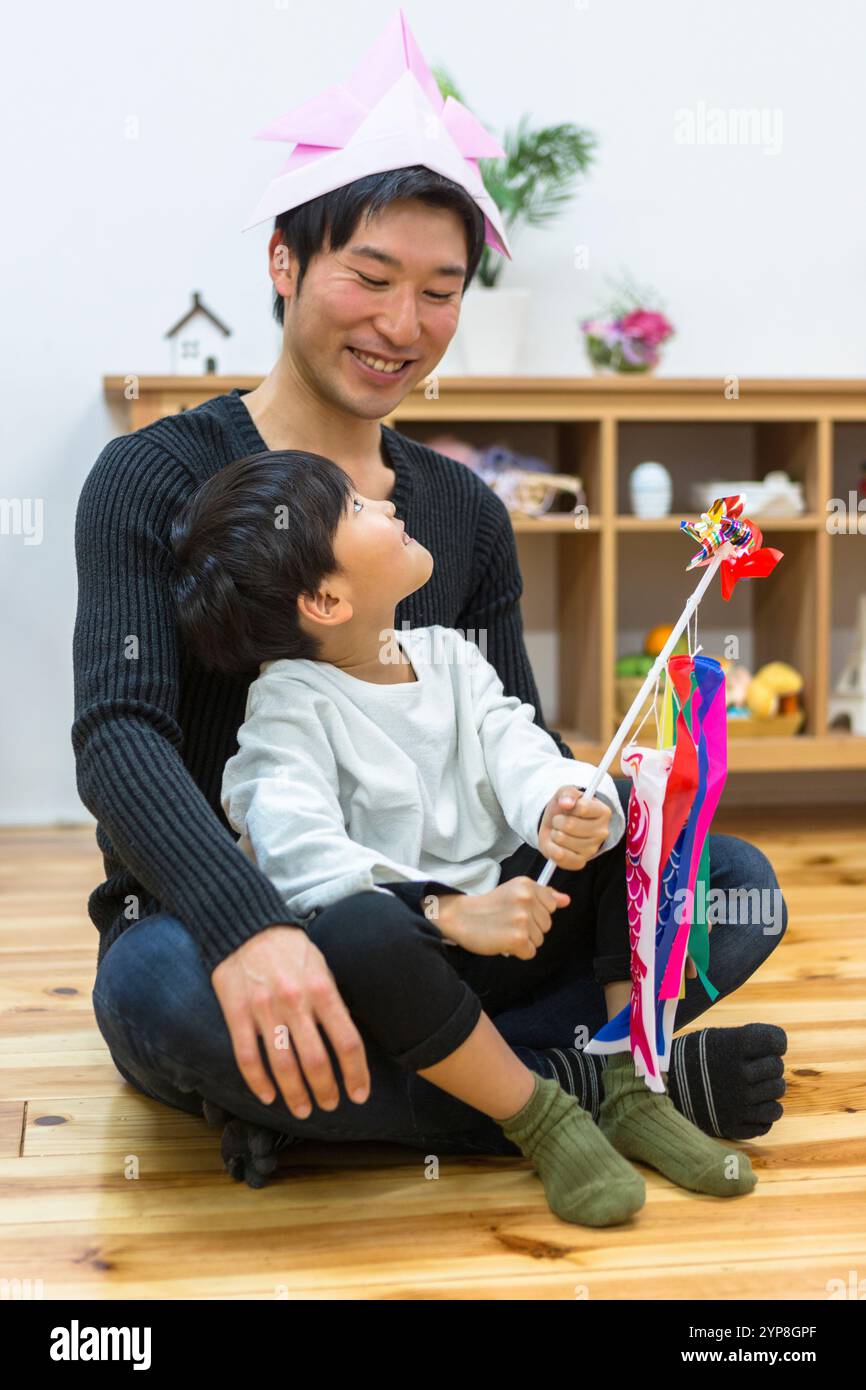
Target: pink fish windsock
[{"x": 649, "y": 769}]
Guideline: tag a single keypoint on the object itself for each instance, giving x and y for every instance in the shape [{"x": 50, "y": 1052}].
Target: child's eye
[{"x": 358, "y": 503}]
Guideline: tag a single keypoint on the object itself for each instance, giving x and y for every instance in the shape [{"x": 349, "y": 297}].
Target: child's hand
[
  {"x": 573, "y": 829},
  {"x": 511, "y": 920}
]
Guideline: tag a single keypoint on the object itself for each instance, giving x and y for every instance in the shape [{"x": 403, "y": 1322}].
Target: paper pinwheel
[
  {"x": 724, "y": 522},
  {"x": 674, "y": 795},
  {"x": 388, "y": 115}
]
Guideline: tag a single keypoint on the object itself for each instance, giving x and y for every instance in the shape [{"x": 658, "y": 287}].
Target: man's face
[{"x": 392, "y": 293}]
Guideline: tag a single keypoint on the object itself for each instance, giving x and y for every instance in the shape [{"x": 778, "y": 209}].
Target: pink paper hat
[{"x": 389, "y": 114}]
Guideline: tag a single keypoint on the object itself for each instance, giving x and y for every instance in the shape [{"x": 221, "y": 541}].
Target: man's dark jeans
[{"x": 161, "y": 1019}]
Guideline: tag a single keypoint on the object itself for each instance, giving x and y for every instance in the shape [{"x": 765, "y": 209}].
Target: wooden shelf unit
[{"x": 597, "y": 428}]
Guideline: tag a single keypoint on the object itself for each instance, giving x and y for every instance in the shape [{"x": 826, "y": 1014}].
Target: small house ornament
[{"x": 196, "y": 340}]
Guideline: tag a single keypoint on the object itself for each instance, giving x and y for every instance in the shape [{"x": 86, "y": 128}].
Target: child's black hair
[{"x": 247, "y": 543}]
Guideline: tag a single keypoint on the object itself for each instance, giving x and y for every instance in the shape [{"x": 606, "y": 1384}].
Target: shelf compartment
[
  {"x": 582, "y": 600},
  {"x": 848, "y": 570},
  {"x": 771, "y": 619},
  {"x": 706, "y": 451},
  {"x": 849, "y": 453},
  {"x": 571, "y": 447}
]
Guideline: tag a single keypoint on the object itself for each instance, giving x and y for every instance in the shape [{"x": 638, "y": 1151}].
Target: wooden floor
[{"x": 363, "y": 1222}]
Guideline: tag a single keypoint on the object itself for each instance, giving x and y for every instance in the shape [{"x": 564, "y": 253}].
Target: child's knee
[{"x": 375, "y": 934}]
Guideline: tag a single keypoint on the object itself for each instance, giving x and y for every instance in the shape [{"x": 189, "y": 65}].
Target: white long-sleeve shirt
[{"x": 340, "y": 784}]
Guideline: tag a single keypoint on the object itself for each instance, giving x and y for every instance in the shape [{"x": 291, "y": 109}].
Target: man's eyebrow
[{"x": 375, "y": 254}]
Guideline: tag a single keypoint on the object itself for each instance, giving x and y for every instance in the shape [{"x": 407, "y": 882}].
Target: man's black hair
[
  {"x": 326, "y": 223},
  {"x": 247, "y": 543}
]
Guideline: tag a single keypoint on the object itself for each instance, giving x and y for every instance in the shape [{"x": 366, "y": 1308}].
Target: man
[{"x": 204, "y": 991}]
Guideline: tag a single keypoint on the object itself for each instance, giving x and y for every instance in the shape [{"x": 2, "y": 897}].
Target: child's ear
[{"x": 324, "y": 607}]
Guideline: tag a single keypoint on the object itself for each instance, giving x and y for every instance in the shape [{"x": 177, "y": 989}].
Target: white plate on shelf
[{"x": 775, "y": 495}]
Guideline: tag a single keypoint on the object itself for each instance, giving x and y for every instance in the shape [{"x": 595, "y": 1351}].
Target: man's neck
[{"x": 288, "y": 415}]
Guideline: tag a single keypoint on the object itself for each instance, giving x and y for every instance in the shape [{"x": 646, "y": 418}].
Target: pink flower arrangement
[{"x": 628, "y": 342}]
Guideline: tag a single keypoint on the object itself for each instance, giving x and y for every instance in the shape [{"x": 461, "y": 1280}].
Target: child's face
[{"x": 381, "y": 564}]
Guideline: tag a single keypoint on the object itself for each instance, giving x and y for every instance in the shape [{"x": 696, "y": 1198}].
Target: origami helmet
[{"x": 388, "y": 115}]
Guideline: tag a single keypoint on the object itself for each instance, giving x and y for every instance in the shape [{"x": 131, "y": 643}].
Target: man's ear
[{"x": 283, "y": 266}]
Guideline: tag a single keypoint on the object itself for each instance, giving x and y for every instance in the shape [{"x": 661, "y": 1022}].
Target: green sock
[
  {"x": 645, "y": 1125},
  {"x": 585, "y": 1179}
]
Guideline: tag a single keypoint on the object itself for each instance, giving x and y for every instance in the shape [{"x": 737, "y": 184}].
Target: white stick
[{"x": 619, "y": 737}]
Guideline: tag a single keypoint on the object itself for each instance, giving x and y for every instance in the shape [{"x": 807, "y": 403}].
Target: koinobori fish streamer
[{"x": 675, "y": 791}]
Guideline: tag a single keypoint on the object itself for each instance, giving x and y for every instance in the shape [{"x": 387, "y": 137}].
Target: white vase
[
  {"x": 491, "y": 330},
  {"x": 650, "y": 490}
]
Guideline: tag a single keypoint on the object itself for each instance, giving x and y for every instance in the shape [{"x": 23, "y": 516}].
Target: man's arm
[
  {"x": 125, "y": 735},
  {"x": 494, "y": 609}
]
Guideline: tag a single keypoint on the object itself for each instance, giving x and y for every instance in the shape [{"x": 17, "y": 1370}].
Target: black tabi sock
[{"x": 727, "y": 1081}]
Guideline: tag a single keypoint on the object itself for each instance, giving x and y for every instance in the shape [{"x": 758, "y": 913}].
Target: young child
[{"x": 392, "y": 766}]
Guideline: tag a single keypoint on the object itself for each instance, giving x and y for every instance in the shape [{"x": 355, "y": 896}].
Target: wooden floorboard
[{"x": 107, "y": 1195}]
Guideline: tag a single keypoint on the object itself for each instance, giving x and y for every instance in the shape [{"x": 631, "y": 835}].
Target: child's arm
[
  {"x": 280, "y": 793},
  {"x": 523, "y": 763}
]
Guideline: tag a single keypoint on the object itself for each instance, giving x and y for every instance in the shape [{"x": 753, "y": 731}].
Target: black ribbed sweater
[{"x": 153, "y": 730}]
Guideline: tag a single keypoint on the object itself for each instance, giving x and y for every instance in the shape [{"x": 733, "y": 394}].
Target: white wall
[{"x": 759, "y": 256}]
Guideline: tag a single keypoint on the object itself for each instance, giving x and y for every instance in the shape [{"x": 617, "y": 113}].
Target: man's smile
[{"x": 380, "y": 368}]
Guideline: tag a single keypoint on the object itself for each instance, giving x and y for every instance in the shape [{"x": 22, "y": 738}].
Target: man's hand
[
  {"x": 510, "y": 920},
  {"x": 573, "y": 829},
  {"x": 278, "y": 985}
]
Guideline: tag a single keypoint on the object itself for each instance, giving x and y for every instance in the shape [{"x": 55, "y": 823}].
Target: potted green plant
[{"x": 531, "y": 186}]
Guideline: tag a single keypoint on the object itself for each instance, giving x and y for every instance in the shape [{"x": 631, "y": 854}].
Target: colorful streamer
[{"x": 675, "y": 791}]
